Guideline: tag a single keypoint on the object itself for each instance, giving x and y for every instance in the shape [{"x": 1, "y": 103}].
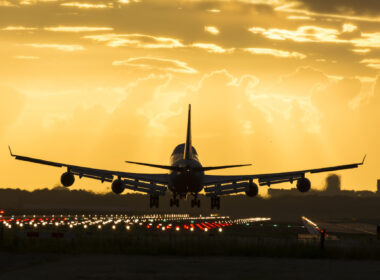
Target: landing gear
[
  {"x": 195, "y": 202},
  {"x": 154, "y": 201},
  {"x": 174, "y": 201},
  {"x": 215, "y": 202}
]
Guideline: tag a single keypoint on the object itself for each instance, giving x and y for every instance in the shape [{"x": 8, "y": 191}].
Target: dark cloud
[{"x": 343, "y": 7}]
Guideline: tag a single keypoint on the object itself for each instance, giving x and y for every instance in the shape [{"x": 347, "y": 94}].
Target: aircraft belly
[{"x": 180, "y": 183}]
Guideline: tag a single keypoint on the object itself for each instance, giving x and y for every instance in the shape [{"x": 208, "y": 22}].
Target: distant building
[
  {"x": 333, "y": 184},
  {"x": 378, "y": 187}
]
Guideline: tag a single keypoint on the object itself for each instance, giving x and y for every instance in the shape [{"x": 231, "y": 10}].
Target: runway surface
[{"x": 14, "y": 266}]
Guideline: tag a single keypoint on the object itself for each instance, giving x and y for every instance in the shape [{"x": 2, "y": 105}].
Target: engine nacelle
[
  {"x": 303, "y": 185},
  {"x": 118, "y": 186},
  {"x": 253, "y": 190},
  {"x": 67, "y": 179}
]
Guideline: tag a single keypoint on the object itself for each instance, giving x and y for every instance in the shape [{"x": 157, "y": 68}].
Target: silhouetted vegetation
[{"x": 62, "y": 200}]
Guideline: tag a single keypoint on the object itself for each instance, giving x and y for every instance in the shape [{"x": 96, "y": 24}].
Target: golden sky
[{"x": 281, "y": 84}]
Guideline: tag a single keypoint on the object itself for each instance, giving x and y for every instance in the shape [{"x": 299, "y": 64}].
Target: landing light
[
  {"x": 220, "y": 229},
  {"x": 128, "y": 227},
  {"x": 206, "y": 229}
]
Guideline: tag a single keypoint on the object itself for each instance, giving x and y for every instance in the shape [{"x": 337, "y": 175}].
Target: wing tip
[
  {"x": 365, "y": 156},
  {"x": 10, "y": 151}
]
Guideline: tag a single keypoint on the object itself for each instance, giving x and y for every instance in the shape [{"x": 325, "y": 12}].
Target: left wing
[
  {"x": 215, "y": 184},
  {"x": 147, "y": 183}
]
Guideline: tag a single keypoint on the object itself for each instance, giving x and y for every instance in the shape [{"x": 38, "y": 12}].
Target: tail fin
[{"x": 188, "y": 146}]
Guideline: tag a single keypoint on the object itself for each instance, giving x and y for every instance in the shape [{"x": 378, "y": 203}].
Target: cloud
[
  {"x": 349, "y": 27},
  {"x": 300, "y": 18},
  {"x": 214, "y": 11},
  {"x": 367, "y": 40},
  {"x": 302, "y": 34},
  {"x": 4, "y": 3},
  {"x": 82, "y": 5},
  {"x": 212, "y": 30},
  {"x": 26, "y": 57},
  {"x": 77, "y": 29},
  {"x": 275, "y": 52},
  {"x": 341, "y": 13},
  {"x": 18, "y": 28},
  {"x": 66, "y": 48},
  {"x": 154, "y": 63},
  {"x": 136, "y": 40},
  {"x": 212, "y": 48},
  {"x": 372, "y": 62},
  {"x": 343, "y": 7},
  {"x": 361, "y": 51},
  {"x": 320, "y": 35}
]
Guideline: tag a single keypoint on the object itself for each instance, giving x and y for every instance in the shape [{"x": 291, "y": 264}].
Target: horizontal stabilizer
[
  {"x": 168, "y": 167},
  {"x": 207, "y": 168}
]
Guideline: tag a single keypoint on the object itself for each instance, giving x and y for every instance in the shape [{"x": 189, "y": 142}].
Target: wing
[
  {"x": 146, "y": 183},
  {"x": 215, "y": 184}
]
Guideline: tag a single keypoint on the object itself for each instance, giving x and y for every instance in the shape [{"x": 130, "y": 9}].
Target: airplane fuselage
[{"x": 190, "y": 178}]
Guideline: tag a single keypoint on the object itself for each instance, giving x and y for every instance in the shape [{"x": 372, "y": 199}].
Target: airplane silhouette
[{"x": 186, "y": 176}]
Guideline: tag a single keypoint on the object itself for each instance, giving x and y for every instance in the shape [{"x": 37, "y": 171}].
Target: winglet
[
  {"x": 363, "y": 159},
  {"x": 10, "y": 150}
]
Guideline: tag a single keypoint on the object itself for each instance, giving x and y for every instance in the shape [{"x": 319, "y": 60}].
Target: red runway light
[{"x": 198, "y": 225}]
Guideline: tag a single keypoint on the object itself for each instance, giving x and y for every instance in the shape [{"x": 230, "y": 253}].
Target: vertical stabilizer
[{"x": 188, "y": 145}]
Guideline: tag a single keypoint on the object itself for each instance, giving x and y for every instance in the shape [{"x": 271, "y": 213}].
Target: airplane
[{"x": 185, "y": 176}]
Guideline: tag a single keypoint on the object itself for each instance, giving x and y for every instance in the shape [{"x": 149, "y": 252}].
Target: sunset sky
[{"x": 281, "y": 84}]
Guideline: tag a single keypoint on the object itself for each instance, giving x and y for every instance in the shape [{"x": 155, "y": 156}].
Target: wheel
[
  {"x": 192, "y": 203},
  {"x": 177, "y": 202},
  {"x": 171, "y": 202},
  {"x": 199, "y": 203},
  {"x": 217, "y": 203}
]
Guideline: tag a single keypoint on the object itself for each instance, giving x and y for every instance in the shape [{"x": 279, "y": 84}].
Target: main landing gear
[
  {"x": 215, "y": 202},
  {"x": 154, "y": 201},
  {"x": 195, "y": 202},
  {"x": 174, "y": 201}
]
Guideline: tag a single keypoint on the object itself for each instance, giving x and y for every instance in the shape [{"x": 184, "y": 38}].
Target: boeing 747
[{"x": 185, "y": 175}]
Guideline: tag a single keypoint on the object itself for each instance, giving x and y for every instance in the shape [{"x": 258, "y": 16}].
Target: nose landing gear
[
  {"x": 215, "y": 202},
  {"x": 174, "y": 201},
  {"x": 154, "y": 201},
  {"x": 195, "y": 202}
]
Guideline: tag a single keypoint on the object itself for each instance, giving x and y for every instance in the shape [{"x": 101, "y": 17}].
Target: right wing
[
  {"x": 142, "y": 182},
  {"x": 224, "y": 184}
]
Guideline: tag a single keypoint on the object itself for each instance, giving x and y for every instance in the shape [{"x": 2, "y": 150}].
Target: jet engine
[
  {"x": 253, "y": 190},
  {"x": 118, "y": 186},
  {"x": 303, "y": 185},
  {"x": 67, "y": 179}
]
